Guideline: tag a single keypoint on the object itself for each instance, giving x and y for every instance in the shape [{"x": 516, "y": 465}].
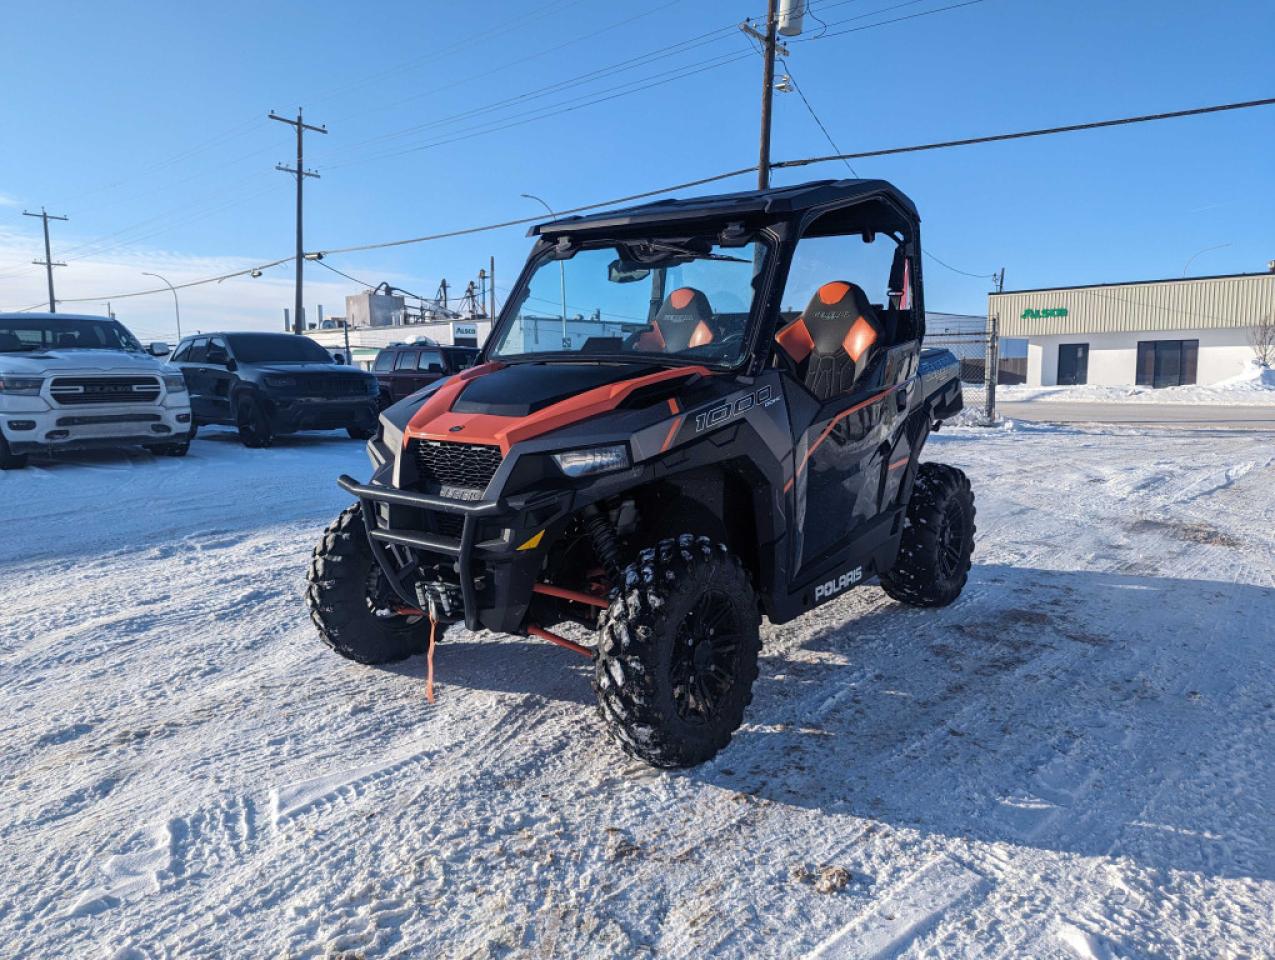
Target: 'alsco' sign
[{"x": 1030, "y": 314}]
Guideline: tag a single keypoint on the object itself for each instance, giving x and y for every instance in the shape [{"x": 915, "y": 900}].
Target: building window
[
  {"x": 1073, "y": 364},
  {"x": 1167, "y": 363}
]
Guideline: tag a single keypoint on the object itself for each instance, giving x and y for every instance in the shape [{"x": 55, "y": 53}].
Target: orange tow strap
[{"x": 429, "y": 660}]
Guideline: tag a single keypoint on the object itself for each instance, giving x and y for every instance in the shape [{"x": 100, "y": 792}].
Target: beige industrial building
[{"x": 1156, "y": 333}]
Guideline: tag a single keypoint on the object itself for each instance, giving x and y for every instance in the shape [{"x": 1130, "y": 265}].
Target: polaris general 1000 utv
[{"x": 689, "y": 414}]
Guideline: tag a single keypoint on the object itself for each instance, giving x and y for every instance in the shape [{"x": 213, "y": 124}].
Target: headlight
[
  {"x": 26, "y": 386},
  {"x": 174, "y": 383},
  {"x": 281, "y": 381},
  {"x": 584, "y": 463}
]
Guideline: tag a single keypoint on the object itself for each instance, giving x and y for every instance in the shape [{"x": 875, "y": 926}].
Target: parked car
[
  {"x": 403, "y": 368},
  {"x": 69, "y": 381},
  {"x": 267, "y": 384}
]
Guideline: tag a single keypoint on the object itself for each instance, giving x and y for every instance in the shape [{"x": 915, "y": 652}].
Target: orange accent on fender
[
  {"x": 831, "y": 293},
  {"x": 860, "y": 337},
  {"x": 810, "y": 452},
  {"x": 796, "y": 340},
  {"x": 435, "y": 420},
  {"x": 901, "y": 462},
  {"x": 673, "y": 405},
  {"x": 679, "y": 299},
  {"x": 672, "y": 432}
]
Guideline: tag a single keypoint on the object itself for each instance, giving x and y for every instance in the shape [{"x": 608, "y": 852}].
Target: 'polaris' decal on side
[{"x": 843, "y": 582}]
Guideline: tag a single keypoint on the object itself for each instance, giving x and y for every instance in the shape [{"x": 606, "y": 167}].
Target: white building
[
  {"x": 1156, "y": 333},
  {"x": 364, "y": 343}
]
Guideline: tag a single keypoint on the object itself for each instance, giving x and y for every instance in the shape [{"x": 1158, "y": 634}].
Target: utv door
[{"x": 854, "y": 455}]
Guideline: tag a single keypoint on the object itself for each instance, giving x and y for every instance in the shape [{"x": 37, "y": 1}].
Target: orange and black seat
[
  {"x": 832, "y": 342},
  {"x": 684, "y": 320}
]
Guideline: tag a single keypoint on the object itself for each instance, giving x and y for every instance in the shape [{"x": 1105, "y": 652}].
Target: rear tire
[
  {"x": 677, "y": 653},
  {"x": 938, "y": 540},
  {"x": 254, "y": 425},
  {"x": 350, "y": 602},
  {"x": 9, "y": 460}
]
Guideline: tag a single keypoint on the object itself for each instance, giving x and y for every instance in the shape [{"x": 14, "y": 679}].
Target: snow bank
[{"x": 1255, "y": 385}]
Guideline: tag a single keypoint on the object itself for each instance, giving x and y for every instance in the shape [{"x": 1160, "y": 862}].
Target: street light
[
  {"x": 562, "y": 275},
  {"x": 176, "y": 306}
]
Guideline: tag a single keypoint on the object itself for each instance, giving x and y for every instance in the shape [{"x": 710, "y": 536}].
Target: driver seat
[
  {"x": 832, "y": 341},
  {"x": 684, "y": 320}
]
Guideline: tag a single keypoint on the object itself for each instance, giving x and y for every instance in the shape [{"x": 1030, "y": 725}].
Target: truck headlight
[
  {"x": 174, "y": 383},
  {"x": 25, "y": 386},
  {"x": 591, "y": 460}
]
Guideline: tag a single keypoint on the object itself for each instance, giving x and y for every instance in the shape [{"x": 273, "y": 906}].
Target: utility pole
[
  {"x": 769, "y": 45},
  {"x": 47, "y": 262},
  {"x": 300, "y": 172},
  {"x": 992, "y": 356}
]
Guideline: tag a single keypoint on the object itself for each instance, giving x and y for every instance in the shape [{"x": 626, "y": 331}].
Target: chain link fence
[{"x": 974, "y": 343}]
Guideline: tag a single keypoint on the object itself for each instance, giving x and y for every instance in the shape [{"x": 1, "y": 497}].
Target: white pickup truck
[{"x": 69, "y": 381}]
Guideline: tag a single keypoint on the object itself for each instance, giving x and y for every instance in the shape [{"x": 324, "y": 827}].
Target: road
[{"x": 1143, "y": 414}]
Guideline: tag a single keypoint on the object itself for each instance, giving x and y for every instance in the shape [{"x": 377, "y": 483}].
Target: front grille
[
  {"x": 322, "y": 385},
  {"x": 68, "y": 391},
  {"x": 457, "y": 464},
  {"x": 109, "y": 418}
]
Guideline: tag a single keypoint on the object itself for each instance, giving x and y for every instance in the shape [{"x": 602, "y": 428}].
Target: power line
[
  {"x": 994, "y": 138},
  {"x": 1025, "y": 134}
]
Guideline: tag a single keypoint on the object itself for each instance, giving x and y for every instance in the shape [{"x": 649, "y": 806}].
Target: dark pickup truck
[
  {"x": 403, "y": 368},
  {"x": 267, "y": 384}
]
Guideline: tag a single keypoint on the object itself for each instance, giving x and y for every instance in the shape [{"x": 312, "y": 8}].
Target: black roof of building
[{"x": 776, "y": 201}]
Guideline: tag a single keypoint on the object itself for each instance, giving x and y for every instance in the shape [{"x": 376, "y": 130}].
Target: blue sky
[{"x": 145, "y": 122}]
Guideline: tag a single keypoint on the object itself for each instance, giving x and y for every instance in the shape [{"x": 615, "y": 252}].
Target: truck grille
[
  {"x": 457, "y": 464},
  {"x": 68, "y": 391},
  {"x": 321, "y": 385}
]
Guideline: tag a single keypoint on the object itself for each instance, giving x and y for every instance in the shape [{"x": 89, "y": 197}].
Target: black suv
[
  {"x": 404, "y": 368},
  {"x": 268, "y": 384}
]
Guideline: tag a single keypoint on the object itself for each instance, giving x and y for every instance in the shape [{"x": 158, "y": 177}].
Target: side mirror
[{"x": 158, "y": 348}]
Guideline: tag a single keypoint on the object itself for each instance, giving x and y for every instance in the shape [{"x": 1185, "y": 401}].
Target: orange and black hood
[{"x": 503, "y": 405}]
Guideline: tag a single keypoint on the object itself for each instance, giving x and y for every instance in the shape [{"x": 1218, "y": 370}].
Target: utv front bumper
[{"x": 490, "y": 560}]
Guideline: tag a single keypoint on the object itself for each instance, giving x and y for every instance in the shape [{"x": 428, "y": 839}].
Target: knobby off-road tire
[
  {"x": 677, "y": 653},
  {"x": 351, "y": 603},
  {"x": 938, "y": 539},
  {"x": 254, "y": 425}
]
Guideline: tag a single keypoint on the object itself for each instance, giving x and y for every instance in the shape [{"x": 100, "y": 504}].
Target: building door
[
  {"x": 1167, "y": 363},
  {"x": 1073, "y": 364}
]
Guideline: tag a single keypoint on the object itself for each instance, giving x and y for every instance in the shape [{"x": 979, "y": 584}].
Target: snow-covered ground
[
  {"x": 1255, "y": 386},
  {"x": 1077, "y": 759}
]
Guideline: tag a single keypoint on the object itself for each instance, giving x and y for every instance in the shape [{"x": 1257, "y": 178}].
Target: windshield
[
  {"x": 688, "y": 299},
  {"x": 277, "y": 348},
  {"x": 28, "y": 335}
]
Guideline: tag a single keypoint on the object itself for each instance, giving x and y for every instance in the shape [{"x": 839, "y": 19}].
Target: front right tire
[
  {"x": 677, "y": 653},
  {"x": 352, "y": 604}
]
